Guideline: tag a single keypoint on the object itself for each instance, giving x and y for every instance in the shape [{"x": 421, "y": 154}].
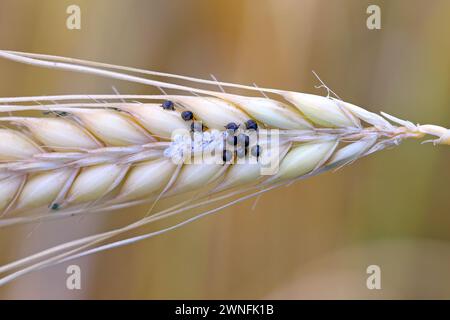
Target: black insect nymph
[
  {"x": 187, "y": 115},
  {"x": 168, "y": 105}
]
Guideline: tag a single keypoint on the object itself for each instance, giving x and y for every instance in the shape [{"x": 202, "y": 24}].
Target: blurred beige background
[{"x": 314, "y": 239}]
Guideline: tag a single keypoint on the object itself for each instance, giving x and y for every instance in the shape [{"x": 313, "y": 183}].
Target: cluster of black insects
[{"x": 239, "y": 141}]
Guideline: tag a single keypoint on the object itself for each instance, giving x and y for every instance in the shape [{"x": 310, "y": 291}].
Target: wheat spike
[{"x": 104, "y": 152}]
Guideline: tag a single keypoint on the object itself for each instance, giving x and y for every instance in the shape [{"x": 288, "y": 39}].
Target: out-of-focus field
[{"x": 313, "y": 239}]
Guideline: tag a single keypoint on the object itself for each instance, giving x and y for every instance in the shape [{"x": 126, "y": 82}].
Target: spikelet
[
  {"x": 16, "y": 146},
  {"x": 321, "y": 110}
]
